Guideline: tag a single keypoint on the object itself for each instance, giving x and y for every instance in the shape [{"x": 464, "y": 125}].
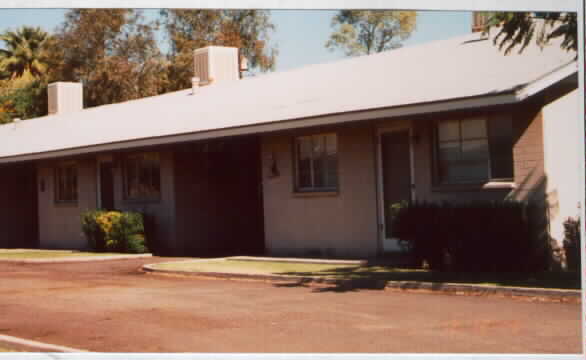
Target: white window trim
[{"x": 308, "y": 190}]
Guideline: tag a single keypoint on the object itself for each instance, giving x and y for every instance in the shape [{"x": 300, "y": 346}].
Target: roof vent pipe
[
  {"x": 194, "y": 85},
  {"x": 243, "y": 64},
  {"x": 16, "y": 121}
]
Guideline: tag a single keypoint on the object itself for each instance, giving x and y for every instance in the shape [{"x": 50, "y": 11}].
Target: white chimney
[
  {"x": 215, "y": 64},
  {"x": 479, "y": 20},
  {"x": 65, "y": 97}
]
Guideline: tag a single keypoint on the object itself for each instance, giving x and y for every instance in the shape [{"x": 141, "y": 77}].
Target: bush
[
  {"x": 572, "y": 246},
  {"x": 92, "y": 230},
  {"x": 114, "y": 231},
  {"x": 478, "y": 236}
]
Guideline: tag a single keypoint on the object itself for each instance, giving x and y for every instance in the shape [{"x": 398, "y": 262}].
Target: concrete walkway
[{"x": 69, "y": 259}]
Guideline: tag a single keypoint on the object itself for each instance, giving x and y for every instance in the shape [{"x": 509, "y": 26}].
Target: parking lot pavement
[{"x": 113, "y": 306}]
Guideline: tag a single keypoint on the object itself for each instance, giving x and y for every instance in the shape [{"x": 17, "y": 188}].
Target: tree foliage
[
  {"x": 23, "y": 99},
  {"x": 23, "y": 65},
  {"x": 113, "y": 52},
  {"x": 359, "y": 32},
  {"x": 187, "y": 30},
  {"x": 115, "y": 55},
  {"x": 518, "y": 29},
  {"x": 24, "y": 53}
]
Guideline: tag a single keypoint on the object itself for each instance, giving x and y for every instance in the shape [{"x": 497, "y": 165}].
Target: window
[
  {"x": 142, "y": 178},
  {"x": 66, "y": 182},
  {"x": 474, "y": 150},
  {"x": 316, "y": 163}
]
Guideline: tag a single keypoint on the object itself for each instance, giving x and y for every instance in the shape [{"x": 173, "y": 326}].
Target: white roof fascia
[
  {"x": 416, "y": 109},
  {"x": 547, "y": 80}
]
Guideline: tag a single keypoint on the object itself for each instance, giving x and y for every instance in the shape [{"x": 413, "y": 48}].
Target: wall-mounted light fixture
[{"x": 273, "y": 167}]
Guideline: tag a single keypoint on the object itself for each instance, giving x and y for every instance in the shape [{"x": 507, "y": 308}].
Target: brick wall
[{"x": 528, "y": 153}]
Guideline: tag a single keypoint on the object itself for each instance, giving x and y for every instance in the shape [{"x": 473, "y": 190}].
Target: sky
[{"x": 300, "y": 35}]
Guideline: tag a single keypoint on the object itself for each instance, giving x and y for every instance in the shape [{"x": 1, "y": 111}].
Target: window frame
[
  {"x": 437, "y": 180},
  {"x": 60, "y": 170},
  {"x": 126, "y": 159},
  {"x": 314, "y": 189}
]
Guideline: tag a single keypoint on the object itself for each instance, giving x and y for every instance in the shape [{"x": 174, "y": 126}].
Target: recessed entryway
[{"x": 395, "y": 166}]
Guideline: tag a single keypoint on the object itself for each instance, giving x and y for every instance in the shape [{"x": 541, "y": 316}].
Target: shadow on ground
[{"x": 374, "y": 276}]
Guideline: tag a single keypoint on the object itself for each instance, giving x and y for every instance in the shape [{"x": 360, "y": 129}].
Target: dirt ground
[{"x": 114, "y": 307}]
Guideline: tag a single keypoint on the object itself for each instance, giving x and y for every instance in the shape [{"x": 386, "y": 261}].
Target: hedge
[{"x": 478, "y": 236}]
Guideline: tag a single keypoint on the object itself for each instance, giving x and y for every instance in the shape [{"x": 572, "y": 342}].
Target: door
[
  {"x": 396, "y": 178},
  {"x": 106, "y": 186}
]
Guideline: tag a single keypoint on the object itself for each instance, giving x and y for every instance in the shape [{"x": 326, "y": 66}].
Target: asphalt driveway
[{"x": 112, "y": 306}]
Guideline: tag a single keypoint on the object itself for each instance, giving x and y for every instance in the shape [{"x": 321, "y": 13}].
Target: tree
[
  {"x": 113, "y": 52},
  {"x": 24, "y": 100},
  {"x": 187, "y": 30},
  {"x": 25, "y": 53},
  {"x": 520, "y": 28},
  {"x": 359, "y": 32}
]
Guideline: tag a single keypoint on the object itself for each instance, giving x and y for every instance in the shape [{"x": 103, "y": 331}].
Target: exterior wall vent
[
  {"x": 65, "y": 97},
  {"x": 216, "y": 64}
]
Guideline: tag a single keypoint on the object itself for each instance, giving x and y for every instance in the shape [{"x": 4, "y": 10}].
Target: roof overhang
[
  {"x": 548, "y": 80},
  {"x": 331, "y": 119},
  {"x": 504, "y": 98}
]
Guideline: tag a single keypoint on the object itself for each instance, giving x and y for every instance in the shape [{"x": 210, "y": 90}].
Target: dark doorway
[
  {"x": 19, "y": 206},
  {"x": 396, "y": 172},
  {"x": 106, "y": 186},
  {"x": 219, "y": 205}
]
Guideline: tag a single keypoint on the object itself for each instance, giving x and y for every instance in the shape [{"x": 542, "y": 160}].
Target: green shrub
[
  {"x": 92, "y": 230},
  {"x": 572, "y": 246},
  {"x": 477, "y": 236},
  {"x": 116, "y": 231}
]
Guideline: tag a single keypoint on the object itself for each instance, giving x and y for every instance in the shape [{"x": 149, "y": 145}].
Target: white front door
[{"x": 396, "y": 176}]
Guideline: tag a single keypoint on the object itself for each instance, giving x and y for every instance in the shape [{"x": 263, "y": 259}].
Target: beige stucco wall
[
  {"x": 60, "y": 223},
  {"x": 161, "y": 211},
  {"x": 562, "y": 137},
  {"x": 344, "y": 224}
]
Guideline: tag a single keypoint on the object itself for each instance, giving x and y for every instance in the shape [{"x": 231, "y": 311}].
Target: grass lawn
[
  {"x": 563, "y": 280},
  {"x": 17, "y": 254}
]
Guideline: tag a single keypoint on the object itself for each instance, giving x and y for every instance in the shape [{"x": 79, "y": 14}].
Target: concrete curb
[
  {"x": 487, "y": 289},
  {"x": 451, "y": 288},
  {"x": 35, "y": 346},
  {"x": 75, "y": 259},
  {"x": 298, "y": 260}
]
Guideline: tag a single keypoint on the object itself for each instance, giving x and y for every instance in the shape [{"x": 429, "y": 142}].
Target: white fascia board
[
  {"x": 547, "y": 80},
  {"x": 332, "y": 119}
]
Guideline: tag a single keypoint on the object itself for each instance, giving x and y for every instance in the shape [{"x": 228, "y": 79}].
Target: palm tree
[{"x": 24, "y": 53}]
